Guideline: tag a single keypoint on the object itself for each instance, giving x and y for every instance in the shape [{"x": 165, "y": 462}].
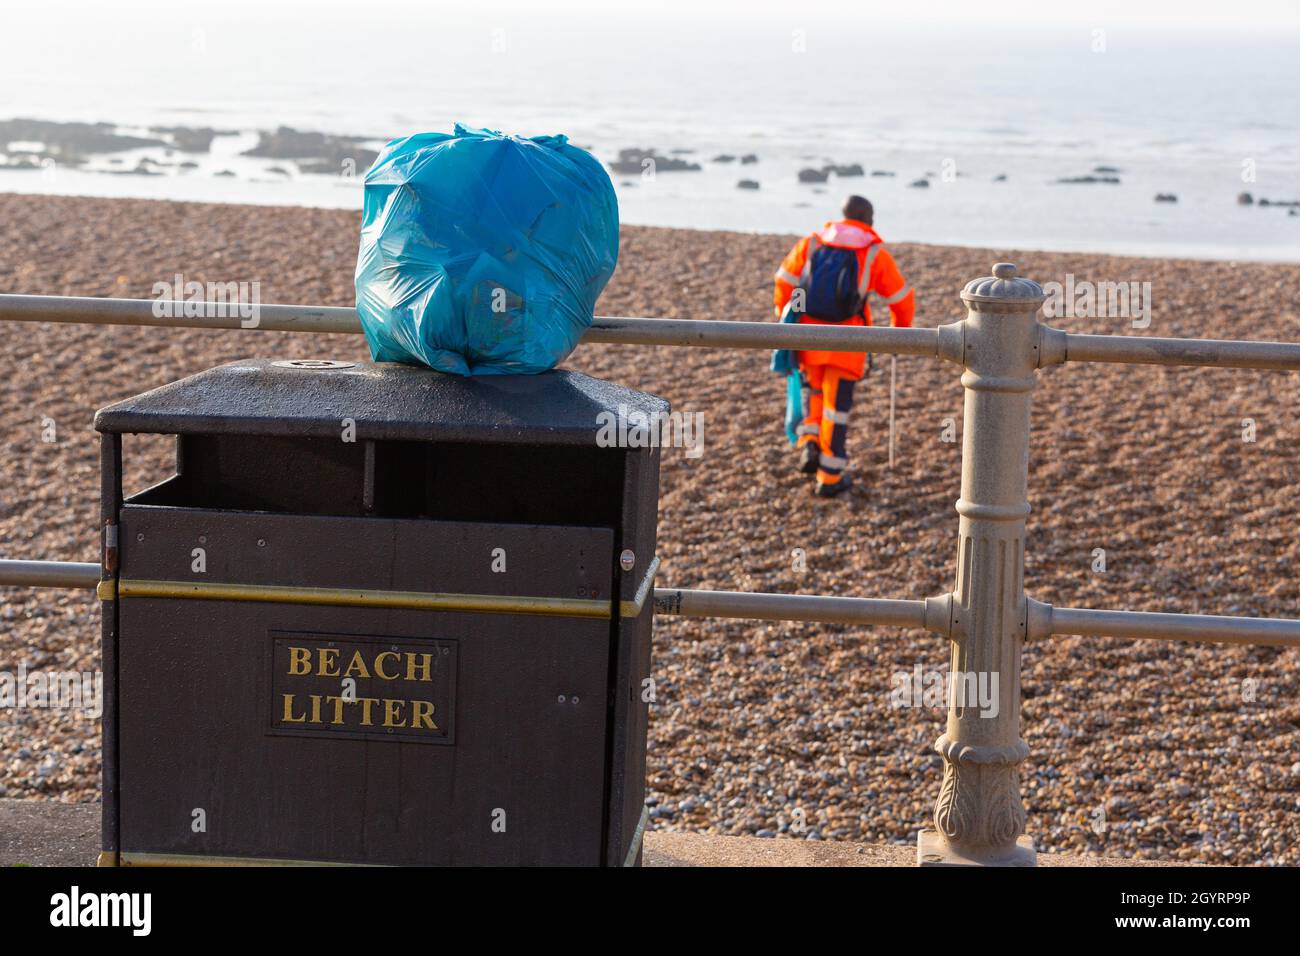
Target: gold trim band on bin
[
  {"x": 344, "y": 597},
  {"x": 126, "y": 858},
  {"x": 401, "y": 600}
]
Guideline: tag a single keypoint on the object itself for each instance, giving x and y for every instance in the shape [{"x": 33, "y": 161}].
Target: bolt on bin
[{"x": 378, "y": 615}]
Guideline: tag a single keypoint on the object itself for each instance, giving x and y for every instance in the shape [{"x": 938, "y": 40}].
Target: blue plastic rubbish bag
[
  {"x": 786, "y": 362},
  {"x": 483, "y": 254}
]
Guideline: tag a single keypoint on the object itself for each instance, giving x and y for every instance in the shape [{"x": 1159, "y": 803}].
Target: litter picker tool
[{"x": 893, "y": 389}]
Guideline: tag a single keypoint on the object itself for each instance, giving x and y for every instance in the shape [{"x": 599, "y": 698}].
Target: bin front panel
[{"x": 487, "y": 733}]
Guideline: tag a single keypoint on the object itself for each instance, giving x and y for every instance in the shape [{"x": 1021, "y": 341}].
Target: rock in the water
[
  {"x": 846, "y": 169},
  {"x": 747, "y": 184},
  {"x": 882, "y": 172},
  {"x": 64, "y": 140},
  {"x": 189, "y": 139},
  {"x": 1000, "y": 178},
  {"x": 723, "y": 158},
  {"x": 327, "y": 167},
  {"x": 320, "y": 152},
  {"x": 141, "y": 168},
  {"x": 1105, "y": 169},
  {"x": 810, "y": 175},
  {"x": 632, "y": 160},
  {"x": 1166, "y": 197},
  {"x": 920, "y": 184},
  {"x": 1245, "y": 199},
  {"x": 748, "y": 158},
  {"x": 1088, "y": 179}
]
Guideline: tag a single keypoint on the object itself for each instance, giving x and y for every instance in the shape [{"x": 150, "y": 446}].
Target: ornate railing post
[{"x": 979, "y": 818}]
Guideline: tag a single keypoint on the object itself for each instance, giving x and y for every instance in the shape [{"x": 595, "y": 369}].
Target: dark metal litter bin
[{"x": 378, "y": 615}]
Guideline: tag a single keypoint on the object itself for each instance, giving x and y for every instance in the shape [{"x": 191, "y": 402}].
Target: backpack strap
[
  {"x": 864, "y": 280},
  {"x": 813, "y": 243}
]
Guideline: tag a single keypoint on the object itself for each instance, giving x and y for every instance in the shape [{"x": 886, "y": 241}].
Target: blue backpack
[{"x": 831, "y": 286}]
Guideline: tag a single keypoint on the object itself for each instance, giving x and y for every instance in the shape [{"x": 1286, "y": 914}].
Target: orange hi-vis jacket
[{"x": 877, "y": 271}]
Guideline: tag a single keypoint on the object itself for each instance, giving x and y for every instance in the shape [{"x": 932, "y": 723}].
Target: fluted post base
[{"x": 979, "y": 819}]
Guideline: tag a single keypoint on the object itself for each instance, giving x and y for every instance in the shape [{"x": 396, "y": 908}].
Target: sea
[{"x": 990, "y": 115}]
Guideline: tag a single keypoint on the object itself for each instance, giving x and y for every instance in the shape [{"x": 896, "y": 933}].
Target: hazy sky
[{"x": 1264, "y": 14}]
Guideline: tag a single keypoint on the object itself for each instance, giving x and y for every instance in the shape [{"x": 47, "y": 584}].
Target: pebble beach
[{"x": 1185, "y": 478}]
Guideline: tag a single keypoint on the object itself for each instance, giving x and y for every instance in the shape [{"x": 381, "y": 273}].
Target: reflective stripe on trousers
[{"x": 829, "y": 401}]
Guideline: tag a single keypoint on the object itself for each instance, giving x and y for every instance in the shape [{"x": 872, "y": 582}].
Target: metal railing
[{"x": 1000, "y": 345}]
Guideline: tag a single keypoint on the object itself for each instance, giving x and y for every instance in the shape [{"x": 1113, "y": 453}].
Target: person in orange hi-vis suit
[{"x": 825, "y": 280}]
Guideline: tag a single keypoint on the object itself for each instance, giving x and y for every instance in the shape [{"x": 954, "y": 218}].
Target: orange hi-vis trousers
[{"x": 827, "y": 403}]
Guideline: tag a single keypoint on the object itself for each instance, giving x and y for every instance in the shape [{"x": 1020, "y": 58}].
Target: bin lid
[{"x": 387, "y": 401}]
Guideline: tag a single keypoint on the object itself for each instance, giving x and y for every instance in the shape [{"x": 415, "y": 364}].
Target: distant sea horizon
[{"x": 992, "y": 119}]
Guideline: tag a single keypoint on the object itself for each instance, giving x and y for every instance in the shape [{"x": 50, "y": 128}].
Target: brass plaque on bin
[{"x": 374, "y": 688}]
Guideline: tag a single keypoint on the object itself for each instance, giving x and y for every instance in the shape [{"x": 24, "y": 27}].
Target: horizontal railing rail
[
  {"x": 1044, "y": 620},
  {"x": 50, "y": 574},
  {"x": 88, "y": 310},
  {"x": 1145, "y": 350},
  {"x": 619, "y": 330},
  {"x": 763, "y": 335},
  {"x": 608, "y": 329},
  {"x": 1151, "y": 625},
  {"x": 760, "y": 606}
]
